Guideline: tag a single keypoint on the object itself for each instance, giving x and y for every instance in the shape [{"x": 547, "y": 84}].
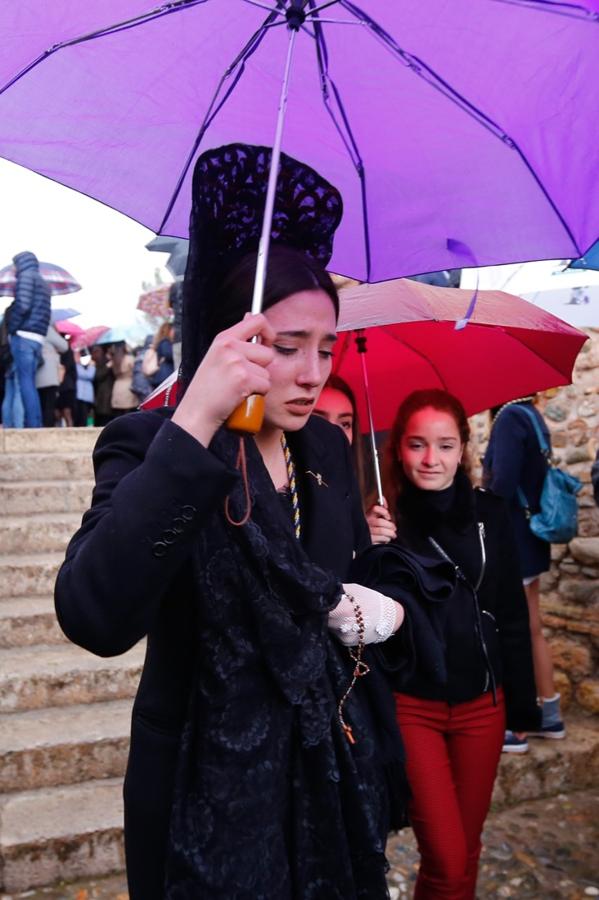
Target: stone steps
[
  {"x": 55, "y": 466},
  {"x": 20, "y": 498},
  {"x": 29, "y": 575},
  {"x": 42, "y": 533},
  {"x": 48, "y": 440},
  {"x": 61, "y": 833},
  {"x": 62, "y": 675},
  {"x": 27, "y": 621},
  {"x": 550, "y": 767},
  {"x": 63, "y": 745}
]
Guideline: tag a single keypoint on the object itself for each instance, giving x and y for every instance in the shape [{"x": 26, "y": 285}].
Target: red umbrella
[
  {"x": 88, "y": 336},
  {"x": 510, "y": 348},
  {"x": 65, "y": 326}
]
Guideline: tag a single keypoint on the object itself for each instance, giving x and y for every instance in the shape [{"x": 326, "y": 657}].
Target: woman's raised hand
[
  {"x": 381, "y": 525},
  {"x": 232, "y": 369}
]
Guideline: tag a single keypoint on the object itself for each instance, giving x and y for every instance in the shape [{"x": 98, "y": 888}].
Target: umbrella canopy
[
  {"x": 458, "y": 133},
  {"x": 88, "y": 337},
  {"x": 156, "y": 302},
  {"x": 178, "y": 250},
  {"x": 58, "y": 279},
  {"x": 66, "y": 327},
  {"x": 590, "y": 260},
  {"x": 59, "y": 315},
  {"x": 510, "y": 348}
]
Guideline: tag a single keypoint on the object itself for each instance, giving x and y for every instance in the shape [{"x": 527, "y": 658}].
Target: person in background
[
  {"x": 513, "y": 461},
  {"x": 140, "y": 383},
  {"x": 175, "y": 299},
  {"x": 462, "y": 661},
  {"x": 67, "y": 390},
  {"x": 13, "y": 412},
  {"x": 47, "y": 377},
  {"x": 337, "y": 404},
  {"x": 28, "y": 321},
  {"x": 163, "y": 344},
  {"x": 103, "y": 382},
  {"x": 86, "y": 371},
  {"x": 123, "y": 400}
]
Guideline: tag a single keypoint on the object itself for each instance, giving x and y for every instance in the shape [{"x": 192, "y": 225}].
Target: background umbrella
[
  {"x": 510, "y": 348},
  {"x": 88, "y": 336},
  {"x": 59, "y": 315},
  {"x": 156, "y": 302},
  {"x": 443, "y": 152},
  {"x": 64, "y": 326},
  {"x": 178, "y": 250},
  {"x": 590, "y": 260},
  {"x": 58, "y": 279}
]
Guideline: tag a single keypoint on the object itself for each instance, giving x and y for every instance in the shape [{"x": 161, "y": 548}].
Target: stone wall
[{"x": 570, "y": 590}]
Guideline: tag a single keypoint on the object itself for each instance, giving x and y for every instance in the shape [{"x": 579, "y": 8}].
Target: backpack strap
[{"x": 543, "y": 445}]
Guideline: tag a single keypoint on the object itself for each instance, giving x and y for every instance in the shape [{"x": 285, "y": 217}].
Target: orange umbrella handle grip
[{"x": 248, "y": 417}]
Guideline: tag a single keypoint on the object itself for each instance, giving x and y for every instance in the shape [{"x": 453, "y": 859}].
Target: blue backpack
[{"x": 557, "y": 519}]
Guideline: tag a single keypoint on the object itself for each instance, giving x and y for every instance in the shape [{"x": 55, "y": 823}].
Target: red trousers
[{"x": 452, "y": 754}]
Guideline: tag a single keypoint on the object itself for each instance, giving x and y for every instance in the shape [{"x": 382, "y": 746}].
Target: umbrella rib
[
  {"x": 419, "y": 353},
  {"x": 346, "y": 135},
  {"x": 215, "y": 105},
  {"x": 434, "y": 80},
  {"x": 172, "y": 7},
  {"x": 572, "y": 10}
]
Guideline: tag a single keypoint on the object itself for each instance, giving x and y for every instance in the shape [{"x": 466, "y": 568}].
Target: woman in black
[
  {"x": 229, "y": 555},
  {"x": 462, "y": 662}
]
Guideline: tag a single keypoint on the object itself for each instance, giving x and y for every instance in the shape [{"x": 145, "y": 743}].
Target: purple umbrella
[{"x": 459, "y": 133}]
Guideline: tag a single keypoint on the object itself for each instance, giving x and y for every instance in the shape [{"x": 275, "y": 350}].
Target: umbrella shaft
[
  {"x": 262, "y": 262},
  {"x": 375, "y": 452}
]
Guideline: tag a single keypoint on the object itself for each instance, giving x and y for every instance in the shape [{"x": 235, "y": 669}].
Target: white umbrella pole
[
  {"x": 361, "y": 345},
  {"x": 247, "y": 418},
  {"x": 264, "y": 244}
]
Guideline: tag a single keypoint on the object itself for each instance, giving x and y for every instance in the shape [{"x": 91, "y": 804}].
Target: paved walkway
[{"x": 540, "y": 850}]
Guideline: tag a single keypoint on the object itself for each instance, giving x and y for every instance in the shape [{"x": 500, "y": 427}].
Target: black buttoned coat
[{"x": 127, "y": 575}]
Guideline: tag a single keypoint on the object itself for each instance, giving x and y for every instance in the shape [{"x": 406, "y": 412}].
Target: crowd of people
[
  {"x": 322, "y": 667},
  {"x": 44, "y": 382}
]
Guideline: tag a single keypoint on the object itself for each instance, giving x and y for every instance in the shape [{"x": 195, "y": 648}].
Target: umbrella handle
[{"x": 247, "y": 418}]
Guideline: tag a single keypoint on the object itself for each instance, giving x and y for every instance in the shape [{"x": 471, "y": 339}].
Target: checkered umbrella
[{"x": 58, "y": 279}]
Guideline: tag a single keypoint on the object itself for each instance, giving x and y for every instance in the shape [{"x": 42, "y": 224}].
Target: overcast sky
[{"x": 104, "y": 250}]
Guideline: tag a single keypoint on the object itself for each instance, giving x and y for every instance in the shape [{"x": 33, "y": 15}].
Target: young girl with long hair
[{"x": 461, "y": 664}]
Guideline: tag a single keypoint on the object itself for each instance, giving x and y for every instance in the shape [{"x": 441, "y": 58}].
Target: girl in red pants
[{"x": 461, "y": 665}]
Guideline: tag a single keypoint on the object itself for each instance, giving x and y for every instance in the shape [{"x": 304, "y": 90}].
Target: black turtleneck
[{"x": 449, "y": 517}]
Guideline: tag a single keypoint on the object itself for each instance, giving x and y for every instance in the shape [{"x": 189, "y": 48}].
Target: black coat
[
  {"x": 438, "y": 653},
  {"x": 127, "y": 574},
  {"x": 30, "y": 310},
  {"x": 513, "y": 459}
]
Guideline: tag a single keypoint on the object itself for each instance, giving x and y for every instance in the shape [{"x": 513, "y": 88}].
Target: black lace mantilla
[{"x": 228, "y": 196}]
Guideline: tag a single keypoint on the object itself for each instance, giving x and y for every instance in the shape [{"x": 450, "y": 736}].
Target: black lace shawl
[{"x": 271, "y": 802}]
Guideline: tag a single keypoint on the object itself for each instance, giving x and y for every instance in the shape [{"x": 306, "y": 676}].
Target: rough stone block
[
  {"x": 587, "y": 694},
  {"x": 572, "y": 657},
  {"x": 585, "y": 550}
]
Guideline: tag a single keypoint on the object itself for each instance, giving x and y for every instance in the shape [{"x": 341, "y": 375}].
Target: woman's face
[
  {"x": 334, "y": 406},
  {"x": 304, "y": 324},
  {"x": 430, "y": 449}
]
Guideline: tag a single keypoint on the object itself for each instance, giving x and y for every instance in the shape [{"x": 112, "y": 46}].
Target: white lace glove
[{"x": 382, "y": 616}]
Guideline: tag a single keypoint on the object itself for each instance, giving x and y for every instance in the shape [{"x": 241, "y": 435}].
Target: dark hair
[
  {"x": 288, "y": 272},
  {"x": 392, "y": 474},
  {"x": 336, "y": 383}
]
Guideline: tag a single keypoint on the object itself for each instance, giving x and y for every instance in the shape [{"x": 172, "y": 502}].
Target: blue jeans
[
  {"x": 26, "y": 355},
  {"x": 13, "y": 414}
]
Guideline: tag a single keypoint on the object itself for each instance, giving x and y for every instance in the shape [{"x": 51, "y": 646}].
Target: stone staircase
[{"x": 64, "y": 713}]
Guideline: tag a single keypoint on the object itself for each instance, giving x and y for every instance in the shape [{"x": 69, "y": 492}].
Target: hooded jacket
[{"x": 30, "y": 310}]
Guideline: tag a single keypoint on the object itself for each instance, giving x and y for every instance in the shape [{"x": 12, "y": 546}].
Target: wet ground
[{"x": 541, "y": 850}]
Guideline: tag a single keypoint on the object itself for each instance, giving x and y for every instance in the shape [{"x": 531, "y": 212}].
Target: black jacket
[
  {"x": 457, "y": 643},
  {"x": 30, "y": 310},
  {"x": 513, "y": 459},
  {"x": 127, "y": 574}
]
